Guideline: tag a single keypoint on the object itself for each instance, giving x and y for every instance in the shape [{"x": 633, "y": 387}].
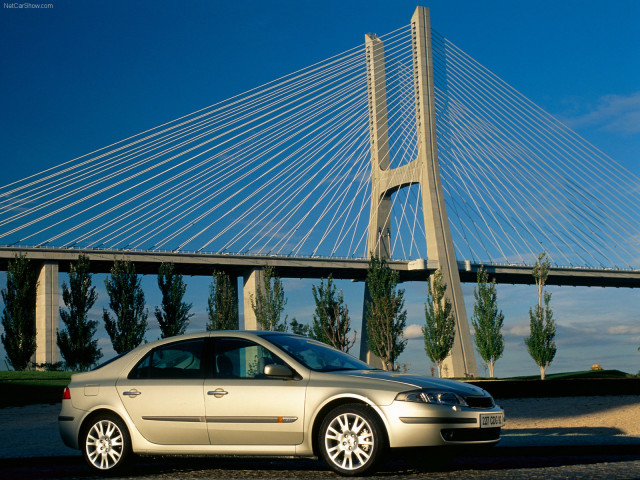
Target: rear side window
[{"x": 172, "y": 361}]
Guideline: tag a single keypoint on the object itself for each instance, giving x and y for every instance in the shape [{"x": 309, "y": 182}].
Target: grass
[
  {"x": 578, "y": 375},
  {"x": 35, "y": 376},
  {"x": 31, "y": 387}
]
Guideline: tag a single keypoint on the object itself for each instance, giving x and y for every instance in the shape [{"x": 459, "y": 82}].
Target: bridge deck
[{"x": 147, "y": 263}]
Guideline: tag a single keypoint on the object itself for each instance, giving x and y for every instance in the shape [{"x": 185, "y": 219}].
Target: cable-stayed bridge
[{"x": 313, "y": 171}]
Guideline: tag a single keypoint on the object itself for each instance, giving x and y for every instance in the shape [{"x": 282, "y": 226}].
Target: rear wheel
[
  {"x": 106, "y": 445},
  {"x": 351, "y": 440}
]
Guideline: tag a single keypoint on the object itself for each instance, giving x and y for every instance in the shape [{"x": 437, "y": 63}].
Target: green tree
[
  {"x": 126, "y": 299},
  {"x": 77, "y": 344},
  {"x": 540, "y": 342},
  {"x": 299, "y": 328},
  {"x": 222, "y": 305},
  {"x": 269, "y": 302},
  {"x": 487, "y": 321},
  {"x": 439, "y": 330},
  {"x": 19, "y": 313},
  {"x": 174, "y": 316},
  {"x": 386, "y": 317},
  {"x": 331, "y": 322}
]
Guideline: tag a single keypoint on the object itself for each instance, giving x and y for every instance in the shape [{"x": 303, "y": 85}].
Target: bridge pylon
[
  {"x": 423, "y": 170},
  {"x": 47, "y": 314}
]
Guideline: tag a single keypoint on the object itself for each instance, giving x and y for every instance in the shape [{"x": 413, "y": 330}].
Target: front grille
[
  {"x": 480, "y": 402},
  {"x": 470, "y": 434}
]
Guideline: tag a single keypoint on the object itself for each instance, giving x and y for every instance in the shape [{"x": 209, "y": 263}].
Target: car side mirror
[{"x": 282, "y": 371}]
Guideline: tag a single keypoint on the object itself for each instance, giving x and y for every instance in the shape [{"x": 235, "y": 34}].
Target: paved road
[
  {"x": 30, "y": 448},
  {"x": 514, "y": 463}
]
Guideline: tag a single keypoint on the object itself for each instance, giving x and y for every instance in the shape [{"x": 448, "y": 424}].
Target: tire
[
  {"x": 106, "y": 445},
  {"x": 351, "y": 440}
]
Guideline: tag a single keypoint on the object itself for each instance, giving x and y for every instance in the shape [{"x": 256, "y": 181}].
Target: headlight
[{"x": 429, "y": 396}]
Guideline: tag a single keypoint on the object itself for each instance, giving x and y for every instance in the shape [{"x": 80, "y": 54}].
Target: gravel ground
[
  {"x": 32, "y": 431},
  {"x": 571, "y": 420}
]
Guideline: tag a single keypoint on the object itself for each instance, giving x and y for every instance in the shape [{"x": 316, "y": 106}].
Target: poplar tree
[
  {"x": 19, "y": 313},
  {"x": 300, "y": 328},
  {"x": 331, "y": 321},
  {"x": 173, "y": 318},
  {"x": 222, "y": 306},
  {"x": 126, "y": 299},
  {"x": 540, "y": 342},
  {"x": 77, "y": 344},
  {"x": 439, "y": 330},
  {"x": 269, "y": 302},
  {"x": 487, "y": 321},
  {"x": 386, "y": 317}
]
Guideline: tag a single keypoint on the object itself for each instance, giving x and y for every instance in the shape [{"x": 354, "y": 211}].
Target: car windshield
[{"x": 316, "y": 355}]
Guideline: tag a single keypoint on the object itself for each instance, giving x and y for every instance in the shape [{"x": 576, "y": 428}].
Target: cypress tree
[
  {"x": 540, "y": 343},
  {"x": 19, "y": 313},
  {"x": 487, "y": 321},
  {"x": 439, "y": 330},
  {"x": 269, "y": 302},
  {"x": 174, "y": 316},
  {"x": 331, "y": 322},
  {"x": 222, "y": 307},
  {"x": 77, "y": 344},
  {"x": 386, "y": 317},
  {"x": 126, "y": 299}
]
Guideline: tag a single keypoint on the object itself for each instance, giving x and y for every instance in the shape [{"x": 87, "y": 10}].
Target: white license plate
[{"x": 491, "y": 420}]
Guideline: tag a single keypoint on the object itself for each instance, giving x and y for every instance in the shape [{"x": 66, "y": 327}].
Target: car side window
[
  {"x": 172, "y": 361},
  {"x": 238, "y": 358}
]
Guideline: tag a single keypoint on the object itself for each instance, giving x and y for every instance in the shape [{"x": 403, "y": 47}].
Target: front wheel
[
  {"x": 106, "y": 443},
  {"x": 351, "y": 440}
]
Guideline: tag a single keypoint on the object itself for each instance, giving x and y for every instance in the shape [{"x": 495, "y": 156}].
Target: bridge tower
[
  {"x": 47, "y": 314},
  {"x": 423, "y": 170}
]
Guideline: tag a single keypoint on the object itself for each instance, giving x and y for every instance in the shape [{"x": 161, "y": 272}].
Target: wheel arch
[
  {"x": 96, "y": 414},
  {"x": 337, "y": 402}
]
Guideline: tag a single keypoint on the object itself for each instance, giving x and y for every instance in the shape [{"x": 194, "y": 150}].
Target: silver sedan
[{"x": 265, "y": 393}]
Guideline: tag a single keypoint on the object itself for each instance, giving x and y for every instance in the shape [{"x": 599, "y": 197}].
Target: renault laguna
[{"x": 265, "y": 393}]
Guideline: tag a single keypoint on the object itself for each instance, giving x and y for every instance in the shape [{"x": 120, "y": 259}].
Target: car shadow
[{"x": 563, "y": 431}]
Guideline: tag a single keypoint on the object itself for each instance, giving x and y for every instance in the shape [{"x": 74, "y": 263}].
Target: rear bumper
[{"x": 69, "y": 422}]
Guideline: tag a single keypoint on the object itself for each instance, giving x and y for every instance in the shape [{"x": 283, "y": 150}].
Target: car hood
[{"x": 419, "y": 381}]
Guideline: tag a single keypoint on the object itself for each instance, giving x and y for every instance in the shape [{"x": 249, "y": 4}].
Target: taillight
[{"x": 66, "y": 395}]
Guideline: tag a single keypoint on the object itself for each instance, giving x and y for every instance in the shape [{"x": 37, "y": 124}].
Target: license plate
[{"x": 491, "y": 420}]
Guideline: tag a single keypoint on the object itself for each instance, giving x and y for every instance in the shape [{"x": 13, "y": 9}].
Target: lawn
[
  {"x": 27, "y": 388},
  {"x": 578, "y": 375}
]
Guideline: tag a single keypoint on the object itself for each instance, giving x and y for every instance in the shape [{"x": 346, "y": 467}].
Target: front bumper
[{"x": 426, "y": 425}]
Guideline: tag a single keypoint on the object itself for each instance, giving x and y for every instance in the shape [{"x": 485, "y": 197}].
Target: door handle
[
  {"x": 219, "y": 393},
  {"x": 132, "y": 393}
]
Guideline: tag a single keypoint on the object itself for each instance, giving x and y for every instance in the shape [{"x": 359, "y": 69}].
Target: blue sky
[{"x": 82, "y": 75}]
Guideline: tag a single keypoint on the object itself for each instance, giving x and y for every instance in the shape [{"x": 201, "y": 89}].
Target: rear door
[
  {"x": 163, "y": 394},
  {"x": 245, "y": 407}
]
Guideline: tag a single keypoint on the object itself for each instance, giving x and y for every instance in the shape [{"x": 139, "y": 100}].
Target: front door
[{"x": 243, "y": 406}]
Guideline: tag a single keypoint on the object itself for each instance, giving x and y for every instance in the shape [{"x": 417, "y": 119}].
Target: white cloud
[
  {"x": 519, "y": 330},
  {"x": 614, "y": 113},
  {"x": 413, "y": 331},
  {"x": 623, "y": 330}
]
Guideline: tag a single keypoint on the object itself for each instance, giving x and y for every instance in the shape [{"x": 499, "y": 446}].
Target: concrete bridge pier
[
  {"x": 253, "y": 280},
  {"x": 47, "y": 312}
]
